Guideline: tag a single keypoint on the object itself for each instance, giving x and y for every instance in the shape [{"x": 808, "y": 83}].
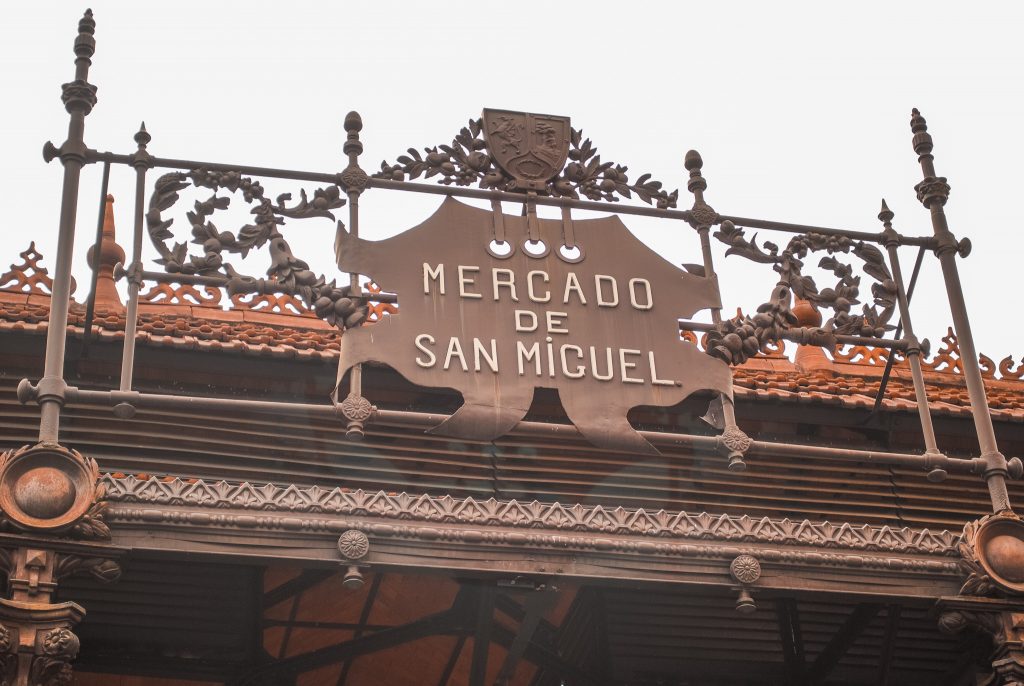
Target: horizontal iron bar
[
  {"x": 927, "y": 241},
  {"x": 547, "y": 201},
  {"x": 798, "y": 334},
  {"x": 541, "y": 430},
  {"x": 481, "y": 194},
  {"x": 170, "y": 163}
]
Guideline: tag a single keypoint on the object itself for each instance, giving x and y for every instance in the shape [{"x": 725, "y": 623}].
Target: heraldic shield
[
  {"x": 531, "y": 148},
  {"x": 601, "y": 329}
]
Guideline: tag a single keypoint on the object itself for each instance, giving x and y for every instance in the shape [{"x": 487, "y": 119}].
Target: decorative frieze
[{"x": 270, "y": 498}]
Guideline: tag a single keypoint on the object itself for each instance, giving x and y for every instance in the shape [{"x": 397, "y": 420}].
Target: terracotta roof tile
[{"x": 176, "y": 317}]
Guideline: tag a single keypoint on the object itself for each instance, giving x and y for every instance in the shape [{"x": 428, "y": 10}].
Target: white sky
[{"x": 800, "y": 111}]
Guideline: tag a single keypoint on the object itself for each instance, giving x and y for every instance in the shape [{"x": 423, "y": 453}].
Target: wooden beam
[
  {"x": 548, "y": 660},
  {"x": 845, "y": 637},
  {"x": 453, "y": 660},
  {"x": 364, "y": 617},
  {"x": 892, "y": 621},
  {"x": 304, "y": 581},
  {"x": 537, "y": 603},
  {"x": 482, "y": 639},
  {"x": 792, "y": 641},
  {"x": 446, "y": 622}
]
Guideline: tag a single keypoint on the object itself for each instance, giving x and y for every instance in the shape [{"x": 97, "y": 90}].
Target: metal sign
[{"x": 599, "y": 323}]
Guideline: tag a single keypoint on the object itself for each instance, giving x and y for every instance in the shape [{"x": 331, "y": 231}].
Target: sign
[{"x": 600, "y": 326}]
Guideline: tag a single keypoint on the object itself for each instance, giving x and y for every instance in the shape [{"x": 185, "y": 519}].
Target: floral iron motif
[
  {"x": 737, "y": 339},
  {"x": 468, "y": 160},
  {"x": 288, "y": 274}
]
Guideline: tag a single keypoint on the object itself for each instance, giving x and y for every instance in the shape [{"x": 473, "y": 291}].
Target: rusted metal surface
[
  {"x": 496, "y": 328},
  {"x": 479, "y": 311}
]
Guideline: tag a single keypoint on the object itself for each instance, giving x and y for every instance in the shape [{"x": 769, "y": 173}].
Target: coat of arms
[{"x": 531, "y": 148}]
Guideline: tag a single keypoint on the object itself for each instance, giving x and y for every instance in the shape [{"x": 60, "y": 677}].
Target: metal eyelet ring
[
  {"x": 565, "y": 254},
  {"x": 531, "y": 250},
  {"x": 492, "y": 249}
]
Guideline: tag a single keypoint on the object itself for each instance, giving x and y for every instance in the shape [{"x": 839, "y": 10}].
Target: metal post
[
  {"x": 79, "y": 97},
  {"x": 932, "y": 192},
  {"x": 703, "y": 216},
  {"x": 914, "y": 347},
  {"x": 142, "y": 161},
  {"x": 354, "y": 407}
]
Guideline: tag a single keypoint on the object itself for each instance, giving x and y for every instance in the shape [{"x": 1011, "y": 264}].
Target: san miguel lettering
[
  {"x": 600, "y": 326},
  {"x": 556, "y": 353}
]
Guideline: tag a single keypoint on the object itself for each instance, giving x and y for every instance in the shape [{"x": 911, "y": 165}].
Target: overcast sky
[{"x": 800, "y": 111}]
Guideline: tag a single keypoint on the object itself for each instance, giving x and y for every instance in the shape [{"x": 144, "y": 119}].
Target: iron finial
[
  {"x": 694, "y": 163},
  {"x": 87, "y": 24},
  {"x": 141, "y": 159},
  {"x": 353, "y": 125},
  {"x": 142, "y": 137},
  {"x": 922, "y": 139},
  {"x": 886, "y": 214},
  {"x": 85, "y": 44},
  {"x": 353, "y": 122}
]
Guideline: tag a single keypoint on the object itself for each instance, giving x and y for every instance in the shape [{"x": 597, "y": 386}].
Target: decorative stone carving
[
  {"x": 412, "y": 507},
  {"x": 48, "y": 671},
  {"x": 745, "y": 569},
  {"x": 59, "y": 642},
  {"x": 1001, "y": 621},
  {"x": 736, "y": 444},
  {"x": 356, "y": 409},
  {"x": 353, "y": 545},
  {"x": 29, "y": 276}
]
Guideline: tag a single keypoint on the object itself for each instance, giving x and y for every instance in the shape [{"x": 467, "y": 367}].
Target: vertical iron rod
[
  {"x": 353, "y": 180},
  {"x": 90, "y": 306},
  {"x": 141, "y": 160},
  {"x": 914, "y": 350},
  {"x": 932, "y": 192},
  {"x": 899, "y": 332},
  {"x": 79, "y": 97},
  {"x": 696, "y": 185}
]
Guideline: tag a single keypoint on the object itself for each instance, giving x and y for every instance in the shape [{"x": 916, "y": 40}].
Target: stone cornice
[{"x": 276, "y": 507}]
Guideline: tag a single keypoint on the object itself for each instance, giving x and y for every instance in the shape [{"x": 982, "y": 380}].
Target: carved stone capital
[
  {"x": 1000, "y": 621},
  {"x": 37, "y": 643},
  {"x": 36, "y": 638}
]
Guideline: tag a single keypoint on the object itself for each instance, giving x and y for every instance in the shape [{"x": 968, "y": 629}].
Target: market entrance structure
[{"x": 499, "y": 449}]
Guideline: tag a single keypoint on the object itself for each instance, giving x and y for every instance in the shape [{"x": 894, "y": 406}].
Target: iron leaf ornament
[
  {"x": 471, "y": 159},
  {"x": 737, "y": 339},
  {"x": 287, "y": 273}
]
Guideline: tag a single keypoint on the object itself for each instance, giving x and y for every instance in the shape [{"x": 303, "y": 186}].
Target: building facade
[{"x": 224, "y": 479}]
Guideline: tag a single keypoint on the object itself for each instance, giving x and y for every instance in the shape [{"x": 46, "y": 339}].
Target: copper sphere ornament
[
  {"x": 999, "y": 548},
  {"x": 46, "y": 488}
]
